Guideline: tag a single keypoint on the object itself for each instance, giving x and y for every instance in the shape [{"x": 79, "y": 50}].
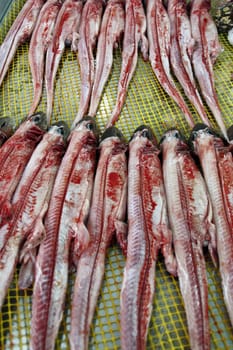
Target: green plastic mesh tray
[{"x": 146, "y": 103}]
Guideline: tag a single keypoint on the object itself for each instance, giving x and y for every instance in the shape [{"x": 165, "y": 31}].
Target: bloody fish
[
  {"x": 14, "y": 155},
  {"x": 159, "y": 32},
  {"x": 30, "y": 203},
  {"x": 134, "y": 36},
  {"x": 66, "y": 233},
  {"x": 106, "y": 217},
  {"x": 148, "y": 232},
  {"x": 19, "y": 32},
  {"x": 112, "y": 28},
  {"x": 41, "y": 37},
  {"x": 88, "y": 34},
  {"x": 191, "y": 220},
  {"x": 210, "y": 149},
  {"x": 65, "y": 32},
  {"x": 205, "y": 53}
]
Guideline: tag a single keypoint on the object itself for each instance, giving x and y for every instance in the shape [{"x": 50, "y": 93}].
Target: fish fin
[
  {"x": 81, "y": 238},
  {"x": 75, "y": 40},
  {"x": 121, "y": 235},
  {"x": 27, "y": 270},
  {"x": 35, "y": 233},
  {"x": 167, "y": 251}
]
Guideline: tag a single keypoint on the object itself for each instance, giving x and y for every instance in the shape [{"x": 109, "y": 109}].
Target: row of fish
[
  {"x": 69, "y": 195},
  {"x": 174, "y": 40}
]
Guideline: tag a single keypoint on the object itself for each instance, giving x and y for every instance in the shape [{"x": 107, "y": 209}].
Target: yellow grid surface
[{"x": 146, "y": 103}]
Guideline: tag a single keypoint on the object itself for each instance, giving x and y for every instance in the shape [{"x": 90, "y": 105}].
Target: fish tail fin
[
  {"x": 121, "y": 235},
  {"x": 81, "y": 238},
  {"x": 27, "y": 270}
]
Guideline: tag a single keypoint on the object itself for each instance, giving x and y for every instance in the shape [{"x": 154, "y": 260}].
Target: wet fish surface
[
  {"x": 159, "y": 32},
  {"x": 134, "y": 35},
  {"x": 19, "y": 32},
  {"x": 65, "y": 233},
  {"x": 106, "y": 218},
  {"x": 41, "y": 37},
  {"x": 14, "y": 155},
  {"x": 191, "y": 220},
  {"x": 207, "y": 146},
  {"x": 65, "y": 31},
  {"x": 112, "y": 28},
  {"x": 148, "y": 232},
  {"x": 89, "y": 31},
  {"x": 29, "y": 204},
  {"x": 6, "y": 129}
]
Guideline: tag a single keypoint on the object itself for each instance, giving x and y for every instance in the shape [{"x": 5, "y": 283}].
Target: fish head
[
  {"x": 144, "y": 131},
  {"x": 173, "y": 141},
  {"x": 113, "y": 138},
  {"x": 39, "y": 119},
  {"x": 60, "y": 128},
  {"x": 203, "y": 133},
  {"x": 6, "y": 127},
  {"x": 112, "y": 131},
  {"x": 89, "y": 124}
]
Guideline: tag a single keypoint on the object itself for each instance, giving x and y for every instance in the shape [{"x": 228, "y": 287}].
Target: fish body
[
  {"x": 107, "y": 212},
  {"x": 6, "y": 129},
  {"x": 158, "y": 32},
  {"x": 181, "y": 49},
  {"x": 205, "y": 53},
  {"x": 29, "y": 204},
  {"x": 41, "y": 37},
  {"x": 65, "y": 31},
  {"x": 134, "y": 35},
  {"x": 64, "y": 225},
  {"x": 191, "y": 221},
  {"x": 147, "y": 233},
  {"x": 19, "y": 32},
  {"x": 89, "y": 31},
  {"x": 112, "y": 28},
  {"x": 207, "y": 146},
  {"x": 14, "y": 156}
]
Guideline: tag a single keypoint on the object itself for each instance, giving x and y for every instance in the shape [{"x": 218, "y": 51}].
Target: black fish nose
[
  {"x": 62, "y": 128},
  {"x": 111, "y": 132},
  {"x": 40, "y": 119},
  {"x": 146, "y": 131}
]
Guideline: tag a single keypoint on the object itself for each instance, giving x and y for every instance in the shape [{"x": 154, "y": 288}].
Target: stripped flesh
[
  {"x": 190, "y": 216},
  {"x": 39, "y": 42},
  {"x": 14, "y": 155},
  {"x": 158, "y": 32},
  {"x": 65, "y": 31},
  {"x": 181, "y": 49},
  {"x": 148, "y": 232},
  {"x": 205, "y": 52},
  {"x": 64, "y": 223},
  {"x": 89, "y": 30},
  {"x": 107, "y": 212},
  {"x": 205, "y": 147},
  {"x": 29, "y": 205},
  {"x": 134, "y": 35},
  {"x": 112, "y": 27},
  {"x": 19, "y": 32}
]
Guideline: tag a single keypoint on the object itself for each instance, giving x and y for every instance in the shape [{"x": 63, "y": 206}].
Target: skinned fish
[
  {"x": 191, "y": 220},
  {"x": 6, "y": 129},
  {"x": 107, "y": 212},
  {"x": 158, "y": 32},
  {"x": 182, "y": 45},
  {"x": 148, "y": 232},
  {"x": 134, "y": 35},
  {"x": 112, "y": 28},
  {"x": 205, "y": 53},
  {"x": 30, "y": 203},
  {"x": 19, "y": 32},
  {"x": 40, "y": 40},
  {"x": 65, "y": 31},
  {"x": 89, "y": 31},
  {"x": 65, "y": 233},
  {"x": 210, "y": 151},
  {"x": 14, "y": 155}
]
